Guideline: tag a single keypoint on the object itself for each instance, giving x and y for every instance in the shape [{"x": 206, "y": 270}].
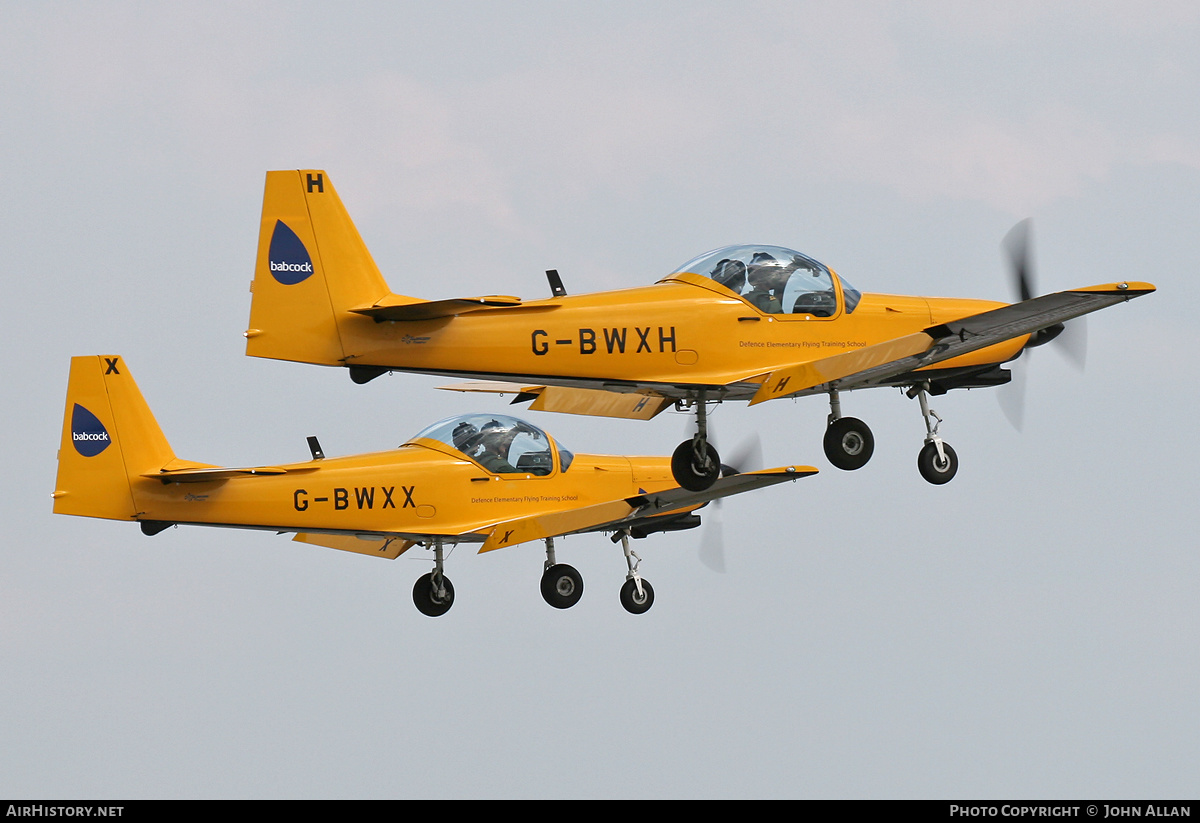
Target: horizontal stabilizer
[
  {"x": 391, "y": 307},
  {"x": 186, "y": 471},
  {"x": 209, "y": 475}
]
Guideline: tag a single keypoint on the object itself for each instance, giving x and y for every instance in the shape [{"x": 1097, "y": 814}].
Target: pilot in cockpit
[
  {"x": 494, "y": 440},
  {"x": 767, "y": 281},
  {"x": 731, "y": 274},
  {"x": 463, "y": 436}
]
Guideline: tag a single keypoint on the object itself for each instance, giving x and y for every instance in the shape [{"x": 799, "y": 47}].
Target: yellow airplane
[
  {"x": 751, "y": 323},
  {"x": 487, "y": 479}
]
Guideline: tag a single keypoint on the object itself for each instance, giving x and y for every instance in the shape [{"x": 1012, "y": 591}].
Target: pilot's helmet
[
  {"x": 492, "y": 434},
  {"x": 463, "y": 433},
  {"x": 731, "y": 274}
]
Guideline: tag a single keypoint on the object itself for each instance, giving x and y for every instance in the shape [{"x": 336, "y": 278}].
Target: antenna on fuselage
[
  {"x": 315, "y": 448},
  {"x": 556, "y": 286}
]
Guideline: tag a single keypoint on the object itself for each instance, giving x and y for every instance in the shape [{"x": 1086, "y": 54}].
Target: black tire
[
  {"x": 690, "y": 476},
  {"x": 849, "y": 443},
  {"x": 562, "y": 586},
  {"x": 426, "y": 600},
  {"x": 934, "y": 470},
  {"x": 630, "y": 600}
]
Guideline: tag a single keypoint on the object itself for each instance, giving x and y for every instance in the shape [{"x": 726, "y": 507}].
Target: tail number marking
[{"x": 358, "y": 498}]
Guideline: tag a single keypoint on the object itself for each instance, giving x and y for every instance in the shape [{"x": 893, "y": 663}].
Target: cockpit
[
  {"x": 499, "y": 443},
  {"x": 774, "y": 279}
]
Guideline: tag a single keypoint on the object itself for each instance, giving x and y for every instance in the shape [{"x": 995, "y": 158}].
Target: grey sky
[{"x": 1029, "y": 630}]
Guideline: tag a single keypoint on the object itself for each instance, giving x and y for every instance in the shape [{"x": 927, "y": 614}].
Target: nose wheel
[
  {"x": 937, "y": 468},
  {"x": 936, "y": 461},
  {"x": 637, "y": 595}
]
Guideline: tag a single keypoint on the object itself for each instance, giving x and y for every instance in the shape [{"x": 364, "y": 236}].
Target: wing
[
  {"x": 878, "y": 364},
  {"x": 642, "y": 511},
  {"x": 616, "y": 514},
  {"x": 631, "y": 512}
]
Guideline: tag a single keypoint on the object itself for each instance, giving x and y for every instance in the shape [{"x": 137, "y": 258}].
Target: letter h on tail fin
[{"x": 312, "y": 270}]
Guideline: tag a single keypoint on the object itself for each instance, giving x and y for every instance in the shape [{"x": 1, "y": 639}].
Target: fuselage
[
  {"x": 423, "y": 487},
  {"x": 686, "y": 330}
]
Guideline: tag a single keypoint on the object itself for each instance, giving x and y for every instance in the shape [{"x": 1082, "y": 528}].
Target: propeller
[
  {"x": 1016, "y": 243},
  {"x": 1071, "y": 339},
  {"x": 746, "y": 456}
]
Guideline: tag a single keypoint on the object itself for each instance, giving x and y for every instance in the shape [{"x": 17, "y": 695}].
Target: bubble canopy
[
  {"x": 498, "y": 442},
  {"x": 774, "y": 279}
]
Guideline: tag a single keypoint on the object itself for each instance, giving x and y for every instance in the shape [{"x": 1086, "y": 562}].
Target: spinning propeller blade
[
  {"x": 1070, "y": 337},
  {"x": 746, "y": 456}
]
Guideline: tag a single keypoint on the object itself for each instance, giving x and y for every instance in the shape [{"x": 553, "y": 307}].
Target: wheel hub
[{"x": 852, "y": 443}]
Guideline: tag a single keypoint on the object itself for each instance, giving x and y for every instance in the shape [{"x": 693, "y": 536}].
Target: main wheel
[
  {"x": 426, "y": 598},
  {"x": 934, "y": 469},
  {"x": 632, "y": 601},
  {"x": 690, "y": 476},
  {"x": 562, "y": 586},
  {"x": 849, "y": 443}
]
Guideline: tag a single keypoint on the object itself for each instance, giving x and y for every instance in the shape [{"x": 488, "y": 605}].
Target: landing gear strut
[
  {"x": 937, "y": 462},
  {"x": 562, "y": 585},
  {"x": 695, "y": 463},
  {"x": 433, "y": 593},
  {"x": 848, "y": 442},
  {"x": 637, "y": 595}
]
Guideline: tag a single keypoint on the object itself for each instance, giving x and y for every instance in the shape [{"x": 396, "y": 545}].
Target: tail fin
[
  {"x": 109, "y": 435},
  {"x": 312, "y": 269}
]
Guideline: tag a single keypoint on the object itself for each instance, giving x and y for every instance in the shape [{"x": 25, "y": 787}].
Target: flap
[
  {"x": 628, "y": 405},
  {"x": 372, "y": 544}
]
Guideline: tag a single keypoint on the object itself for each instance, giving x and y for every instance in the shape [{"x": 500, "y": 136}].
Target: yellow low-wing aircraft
[
  {"x": 486, "y": 479},
  {"x": 751, "y": 323}
]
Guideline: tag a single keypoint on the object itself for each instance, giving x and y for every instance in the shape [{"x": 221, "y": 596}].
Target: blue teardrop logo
[
  {"x": 289, "y": 260},
  {"x": 88, "y": 433}
]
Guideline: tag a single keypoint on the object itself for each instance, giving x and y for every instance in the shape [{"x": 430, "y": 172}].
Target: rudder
[
  {"x": 312, "y": 269},
  {"x": 109, "y": 435}
]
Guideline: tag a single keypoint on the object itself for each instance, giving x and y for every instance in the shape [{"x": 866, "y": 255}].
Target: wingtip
[
  {"x": 793, "y": 471},
  {"x": 1133, "y": 288}
]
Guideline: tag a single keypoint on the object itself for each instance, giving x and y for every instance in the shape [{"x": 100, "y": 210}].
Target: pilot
[
  {"x": 495, "y": 440},
  {"x": 731, "y": 274},
  {"x": 464, "y": 434},
  {"x": 767, "y": 281}
]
